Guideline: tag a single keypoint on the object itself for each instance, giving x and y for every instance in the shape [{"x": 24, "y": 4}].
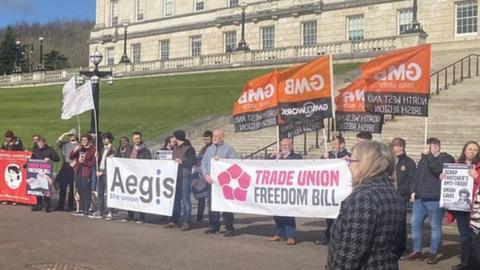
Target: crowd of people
[{"x": 370, "y": 231}]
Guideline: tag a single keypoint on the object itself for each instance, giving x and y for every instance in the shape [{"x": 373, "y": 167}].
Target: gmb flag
[
  {"x": 305, "y": 91},
  {"x": 350, "y": 110},
  {"x": 398, "y": 83},
  {"x": 257, "y": 107}
]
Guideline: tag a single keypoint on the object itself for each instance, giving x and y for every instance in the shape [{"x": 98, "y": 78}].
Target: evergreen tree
[
  {"x": 8, "y": 51},
  {"x": 55, "y": 60}
]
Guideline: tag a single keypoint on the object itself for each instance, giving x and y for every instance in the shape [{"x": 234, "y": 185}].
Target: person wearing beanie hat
[
  {"x": 12, "y": 142},
  {"x": 184, "y": 155}
]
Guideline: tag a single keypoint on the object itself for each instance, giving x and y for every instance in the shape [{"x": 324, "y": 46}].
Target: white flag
[
  {"x": 78, "y": 101},
  {"x": 69, "y": 86}
]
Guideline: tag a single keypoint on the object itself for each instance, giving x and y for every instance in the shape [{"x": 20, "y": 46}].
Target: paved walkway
[{"x": 58, "y": 240}]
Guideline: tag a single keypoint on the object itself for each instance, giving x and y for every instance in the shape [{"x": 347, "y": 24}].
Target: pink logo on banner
[{"x": 232, "y": 191}]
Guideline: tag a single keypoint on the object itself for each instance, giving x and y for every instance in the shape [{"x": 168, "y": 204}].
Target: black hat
[
  {"x": 179, "y": 135},
  {"x": 108, "y": 135}
]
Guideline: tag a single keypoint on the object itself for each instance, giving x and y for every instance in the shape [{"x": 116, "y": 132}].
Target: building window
[
  {"x": 110, "y": 53},
  {"x": 196, "y": 45},
  {"x": 467, "y": 16},
  {"x": 164, "y": 49},
  {"x": 114, "y": 12},
  {"x": 167, "y": 7},
  {"x": 405, "y": 17},
  {"x": 268, "y": 38},
  {"x": 355, "y": 28},
  {"x": 230, "y": 41},
  {"x": 199, "y": 5},
  {"x": 309, "y": 33},
  {"x": 140, "y": 10},
  {"x": 136, "y": 53},
  {"x": 233, "y": 3}
]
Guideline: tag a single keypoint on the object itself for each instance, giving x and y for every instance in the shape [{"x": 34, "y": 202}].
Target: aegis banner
[
  {"x": 350, "y": 110},
  {"x": 301, "y": 188},
  {"x": 305, "y": 91},
  {"x": 399, "y": 82},
  {"x": 146, "y": 186},
  {"x": 257, "y": 106},
  {"x": 13, "y": 177}
]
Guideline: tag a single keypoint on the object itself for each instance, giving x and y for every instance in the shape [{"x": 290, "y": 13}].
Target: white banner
[
  {"x": 457, "y": 187},
  {"x": 141, "y": 185},
  {"x": 300, "y": 188}
]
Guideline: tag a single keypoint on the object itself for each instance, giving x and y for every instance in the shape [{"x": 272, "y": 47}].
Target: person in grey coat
[{"x": 218, "y": 150}]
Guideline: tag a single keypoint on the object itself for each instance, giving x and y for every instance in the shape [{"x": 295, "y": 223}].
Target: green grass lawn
[{"x": 152, "y": 105}]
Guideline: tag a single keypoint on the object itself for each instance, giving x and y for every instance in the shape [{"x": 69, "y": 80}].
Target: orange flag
[
  {"x": 257, "y": 107},
  {"x": 305, "y": 91},
  {"x": 351, "y": 114},
  {"x": 399, "y": 82}
]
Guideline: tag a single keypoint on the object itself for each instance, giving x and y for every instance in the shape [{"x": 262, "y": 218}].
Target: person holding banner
[
  {"x": 218, "y": 150},
  {"x": 107, "y": 151},
  {"x": 84, "y": 156},
  {"x": 12, "y": 142},
  {"x": 44, "y": 152},
  {"x": 369, "y": 232},
  {"x": 184, "y": 155},
  {"x": 425, "y": 196},
  {"x": 338, "y": 151},
  {"x": 470, "y": 155},
  {"x": 286, "y": 227},
  {"x": 139, "y": 151}
]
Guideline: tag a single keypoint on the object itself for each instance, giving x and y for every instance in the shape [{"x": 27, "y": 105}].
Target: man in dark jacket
[
  {"x": 12, "y": 142},
  {"x": 139, "y": 151},
  {"x": 66, "y": 175},
  {"x": 184, "y": 155},
  {"x": 405, "y": 168},
  {"x": 286, "y": 227},
  {"x": 338, "y": 151},
  {"x": 426, "y": 197},
  {"x": 43, "y": 152}
]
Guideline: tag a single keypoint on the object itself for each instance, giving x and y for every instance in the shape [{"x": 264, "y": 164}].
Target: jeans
[
  {"x": 286, "y": 227},
  {"x": 185, "y": 200},
  {"x": 422, "y": 209},
  {"x": 101, "y": 190},
  {"x": 65, "y": 179},
  {"x": 177, "y": 203},
  {"x": 466, "y": 235},
  {"x": 200, "y": 209},
  {"x": 214, "y": 217},
  {"x": 93, "y": 181},
  {"x": 85, "y": 191}
]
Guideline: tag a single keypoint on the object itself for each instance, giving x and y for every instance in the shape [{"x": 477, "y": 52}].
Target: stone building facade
[{"x": 165, "y": 30}]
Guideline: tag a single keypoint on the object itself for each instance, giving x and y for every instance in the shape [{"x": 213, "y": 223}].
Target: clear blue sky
[{"x": 42, "y": 11}]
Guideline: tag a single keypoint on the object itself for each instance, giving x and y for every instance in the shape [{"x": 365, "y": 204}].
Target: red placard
[{"x": 13, "y": 177}]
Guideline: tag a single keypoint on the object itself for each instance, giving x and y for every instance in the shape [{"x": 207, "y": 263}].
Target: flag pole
[
  {"x": 332, "y": 87},
  {"x": 325, "y": 142},
  {"x": 79, "y": 132},
  {"x": 425, "y": 132},
  {"x": 278, "y": 138}
]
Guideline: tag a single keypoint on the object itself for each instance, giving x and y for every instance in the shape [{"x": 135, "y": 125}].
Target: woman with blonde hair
[{"x": 370, "y": 231}]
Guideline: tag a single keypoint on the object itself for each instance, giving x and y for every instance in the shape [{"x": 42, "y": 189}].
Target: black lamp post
[
  {"x": 124, "y": 59},
  {"x": 95, "y": 76},
  {"x": 414, "y": 26},
  {"x": 242, "y": 45},
  {"x": 40, "y": 61},
  {"x": 16, "y": 68}
]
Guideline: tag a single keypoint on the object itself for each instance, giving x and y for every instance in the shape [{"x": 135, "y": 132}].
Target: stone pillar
[
  {"x": 241, "y": 58},
  {"x": 16, "y": 78},
  {"x": 39, "y": 75}
]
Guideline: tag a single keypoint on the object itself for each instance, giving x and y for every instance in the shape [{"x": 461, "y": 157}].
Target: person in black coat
[
  {"x": 12, "y": 142},
  {"x": 286, "y": 227},
  {"x": 369, "y": 232},
  {"x": 43, "y": 152},
  {"x": 338, "y": 151},
  {"x": 404, "y": 169}
]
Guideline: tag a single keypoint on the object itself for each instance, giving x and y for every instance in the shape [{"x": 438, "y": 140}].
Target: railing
[
  {"x": 216, "y": 59},
  {"x": 375, "y": 44},
  {"x": 454, "y": 73},
  {"x": 268, "y": 55}
]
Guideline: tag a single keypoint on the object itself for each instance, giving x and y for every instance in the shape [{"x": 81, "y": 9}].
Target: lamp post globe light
[
  {"x": 124, "y": 59},
  {"x": 242, "y": 45},
  {"x": 95, "y": 77},
  {"x": 40, "y": 66},
  {"x": 16, "y": 68}
]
